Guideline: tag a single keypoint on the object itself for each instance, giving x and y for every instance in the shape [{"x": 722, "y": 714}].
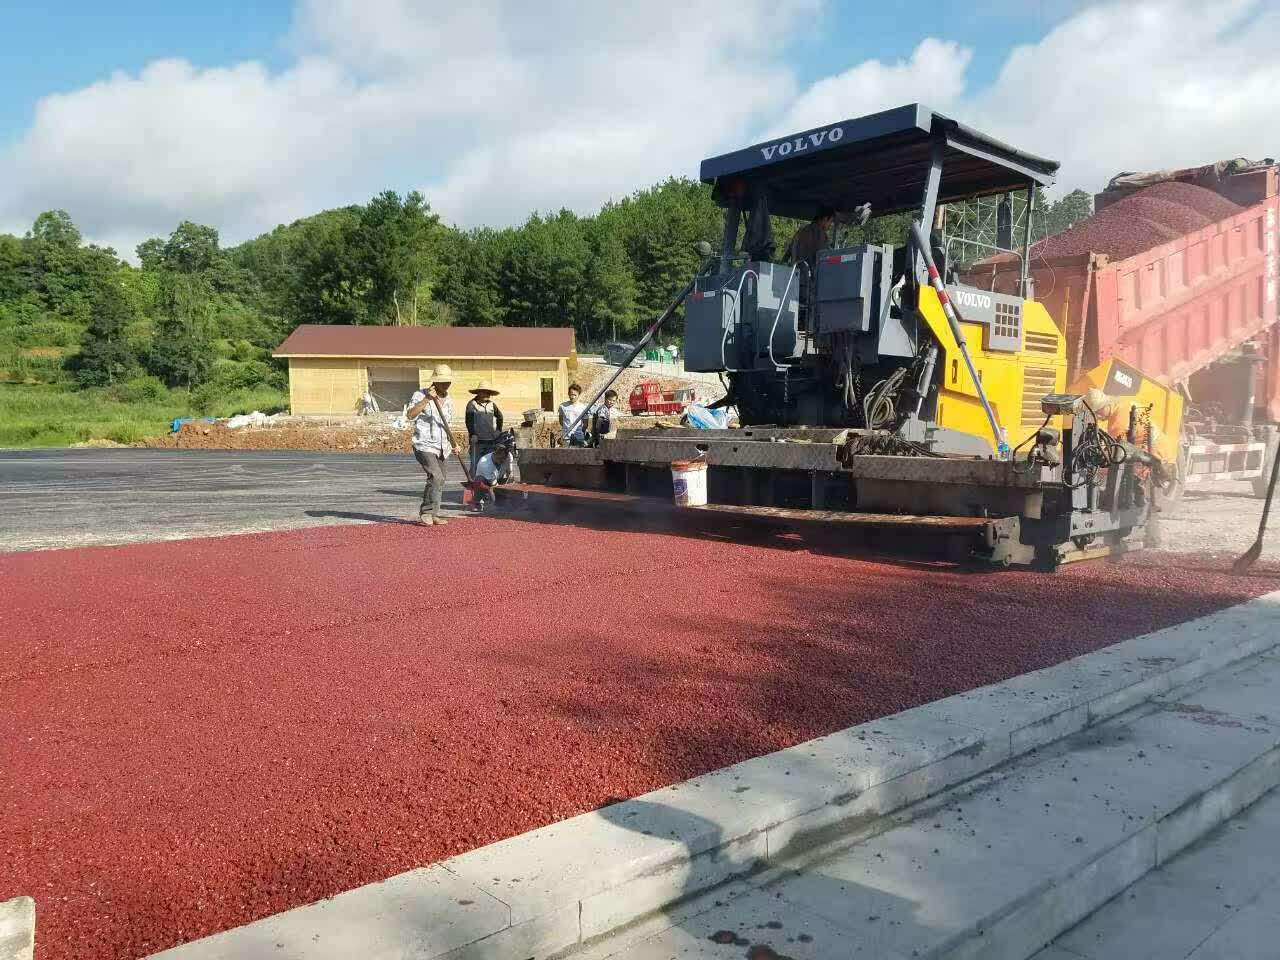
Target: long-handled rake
[{"x": 1250, "y": 556}]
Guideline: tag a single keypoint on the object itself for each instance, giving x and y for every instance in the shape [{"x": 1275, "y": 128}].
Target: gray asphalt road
[
  {"x": 65, "y": 498},
  {"x": 68, "y": 498}
]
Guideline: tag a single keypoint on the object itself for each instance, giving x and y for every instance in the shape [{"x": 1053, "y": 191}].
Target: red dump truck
[{"x": 1175, "y": 274}]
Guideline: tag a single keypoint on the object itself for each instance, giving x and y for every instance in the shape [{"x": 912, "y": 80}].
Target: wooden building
[{"x": 331, "y": 366}]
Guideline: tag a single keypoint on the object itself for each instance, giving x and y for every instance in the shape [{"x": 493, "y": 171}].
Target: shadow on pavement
[{"x": 355, "y": 515}]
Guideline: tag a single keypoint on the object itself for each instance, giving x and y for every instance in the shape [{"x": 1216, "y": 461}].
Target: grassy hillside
[{"x": 57, "y": 414}]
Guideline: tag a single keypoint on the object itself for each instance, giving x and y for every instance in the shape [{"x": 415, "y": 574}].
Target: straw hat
[
  {"x": 441, "y": 373},
  {"x": 484, "y": 386}
]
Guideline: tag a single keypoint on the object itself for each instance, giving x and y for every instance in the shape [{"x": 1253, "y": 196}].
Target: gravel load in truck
[{"x": 1141, "y": 221}]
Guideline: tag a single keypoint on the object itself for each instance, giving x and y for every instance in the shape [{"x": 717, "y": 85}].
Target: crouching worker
[
  {"x": 492, "y": 469},
  {"x": 604, "y": 422}
]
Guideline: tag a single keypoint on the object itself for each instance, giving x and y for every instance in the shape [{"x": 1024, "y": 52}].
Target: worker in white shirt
[
  {"x": 570, "y": 411},
  {"x": 492, "y": 469},
  {"x": 432, "y": 440}
]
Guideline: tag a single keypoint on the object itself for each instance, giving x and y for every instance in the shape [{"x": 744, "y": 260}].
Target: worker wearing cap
[
  {"x": 431, "y": 410},
  {"x": 484, "y": 421}
]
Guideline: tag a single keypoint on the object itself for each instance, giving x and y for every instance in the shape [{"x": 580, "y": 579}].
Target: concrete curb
[
  {"x": 18, "y": 929},
  {"x": 574, "y": 881}
]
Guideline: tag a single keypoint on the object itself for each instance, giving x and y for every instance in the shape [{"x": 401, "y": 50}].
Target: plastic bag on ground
[{"x": 704, "y": 419}]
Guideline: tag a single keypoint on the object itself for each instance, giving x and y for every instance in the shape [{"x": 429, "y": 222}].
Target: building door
[
  {"x": 392, "y": 387},
  {"x": 548, "y": 393}
]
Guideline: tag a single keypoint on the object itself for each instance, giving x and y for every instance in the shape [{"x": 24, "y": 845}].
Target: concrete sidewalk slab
[
  {"x": 999, "y": 866},
  {"x": 762, "y": 926},
  {"x": 1251, "y": 934},
  {"x": 937, "y": 880},
  {"x": 18, "y": 929},
  {"x": 583, "y": 878},
  {"x": 1182, "y": 905}
]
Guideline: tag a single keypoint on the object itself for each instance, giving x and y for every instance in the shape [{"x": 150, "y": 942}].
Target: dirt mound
[
  {"x": 1143, "y": 220},
  {"x": 382, "y": 438},
  {"x": 98, "y": 442}
]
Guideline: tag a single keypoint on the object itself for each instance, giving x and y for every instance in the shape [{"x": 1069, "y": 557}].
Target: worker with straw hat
[
  {"x": 484, "y": 421},
  {"x": 431, "y": 410}
]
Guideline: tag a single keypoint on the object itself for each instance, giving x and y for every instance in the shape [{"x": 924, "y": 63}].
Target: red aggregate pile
[
  {"x": 1143, "y": 220},
  {"x": 197, "y": 734}
]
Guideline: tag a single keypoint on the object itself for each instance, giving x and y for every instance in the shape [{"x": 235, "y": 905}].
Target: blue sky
[{"x": 269, "y": 110}]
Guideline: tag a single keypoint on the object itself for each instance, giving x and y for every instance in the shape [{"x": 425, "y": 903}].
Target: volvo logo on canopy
[{"x": 806, "y": 141}]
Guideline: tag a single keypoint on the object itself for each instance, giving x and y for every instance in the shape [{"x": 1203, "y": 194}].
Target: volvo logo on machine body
[{"x": 972, "y": 298}]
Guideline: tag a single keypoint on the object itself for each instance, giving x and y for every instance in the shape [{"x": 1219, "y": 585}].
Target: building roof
[{"x": 436, "y": 343}]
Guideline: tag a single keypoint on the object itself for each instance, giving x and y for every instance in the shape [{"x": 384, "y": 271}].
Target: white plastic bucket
[{"x": 689, "y": 477}]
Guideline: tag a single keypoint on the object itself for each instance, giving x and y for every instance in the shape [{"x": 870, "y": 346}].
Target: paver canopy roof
[{"x": 881, "y": 159}]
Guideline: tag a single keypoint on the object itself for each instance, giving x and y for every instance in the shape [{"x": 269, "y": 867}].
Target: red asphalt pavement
[{"x": 197, "y": 734}]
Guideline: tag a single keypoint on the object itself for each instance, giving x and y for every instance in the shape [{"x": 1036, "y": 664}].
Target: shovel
[
  {"x": 1250, "y": 556},
  {"x": 466, "y": 471}
]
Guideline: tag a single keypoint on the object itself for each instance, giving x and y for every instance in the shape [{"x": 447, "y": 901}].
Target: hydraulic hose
[{"x": 935, "y": 280}]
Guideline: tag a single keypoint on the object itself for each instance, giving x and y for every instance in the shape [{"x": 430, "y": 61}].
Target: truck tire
[{"x": 1168, "y": 498}]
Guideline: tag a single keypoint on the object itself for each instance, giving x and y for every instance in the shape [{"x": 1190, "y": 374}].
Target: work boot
[{"x": 439, "y": 521}]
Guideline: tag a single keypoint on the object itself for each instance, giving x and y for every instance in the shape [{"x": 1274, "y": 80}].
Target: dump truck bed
[{"x": 1175, "y": 308}]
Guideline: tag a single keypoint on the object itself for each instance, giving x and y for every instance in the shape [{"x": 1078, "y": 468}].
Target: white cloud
[
  {"x": 1122, "y": 85},
  {"x": 495, "y": 108},
  {"x": 492, "y": 107},
  {"x": 133, "y": 155},
  {"x": 934, "y": 74},
  {"x": 1141, "y": 86}
]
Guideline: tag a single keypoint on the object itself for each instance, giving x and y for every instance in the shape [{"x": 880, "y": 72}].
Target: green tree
[
  {"x": 65, "y": 273},
  {"x": 181, "y": 351},
  {"x": 15, "y": 268},
  {"x": 396, "y": 243},
  {"x": 658, "y": 228},
  {"x": 191, "y": 248},
  {"x": 609, "y": 288},
  {"x": 151, "y": 254},
  {"x": 54, "y": 228},
  {"x": 469, "y": 285},
  {"x": 106, "y": 356},
  {"x": 1068, "y": 211}
]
